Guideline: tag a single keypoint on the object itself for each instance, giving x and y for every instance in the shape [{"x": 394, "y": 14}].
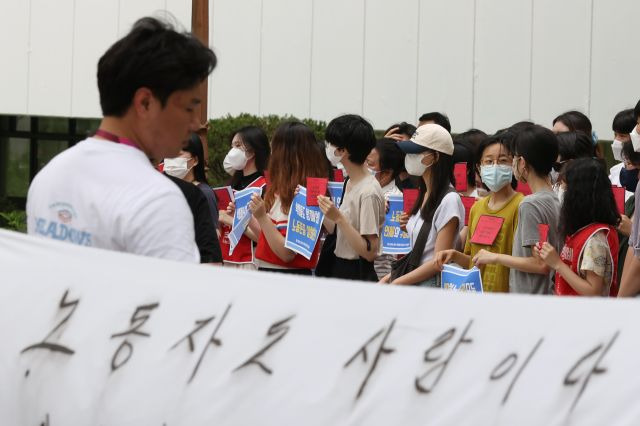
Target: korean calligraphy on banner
[
  {"x": 242, "y": 215},
  {"x": 394, "y": 239},
  {"x": 96, "y": 337},
  {"x": 303, "y": 227}
]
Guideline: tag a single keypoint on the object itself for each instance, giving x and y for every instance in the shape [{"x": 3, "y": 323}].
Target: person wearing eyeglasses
[{"x": 494, "y": 159}]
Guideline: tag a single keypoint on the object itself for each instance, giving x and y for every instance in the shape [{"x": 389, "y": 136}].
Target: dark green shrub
[{"x": 221, "y": 131}]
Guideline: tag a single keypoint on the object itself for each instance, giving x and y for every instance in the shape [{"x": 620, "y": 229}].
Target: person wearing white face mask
[
  {"x": 438, "y": 214},
  {"x": 359, "y": 219},
  {"x": 246, "y": 162},
  {"x": 494, "y": 163},
  {"x": 385, "y": 163},
  {"x": 187, "y": 171},
  {"x": 622, "y": 125}
]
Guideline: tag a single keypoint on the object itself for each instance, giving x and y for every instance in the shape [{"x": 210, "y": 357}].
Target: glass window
[
  {"x": 17, "y": 177},
  {"x": 53, "y": 125},
  {"x": 48, "y": 149},
  {"x": 86, "y": 126},
  {"x": 23, "y": 123}
]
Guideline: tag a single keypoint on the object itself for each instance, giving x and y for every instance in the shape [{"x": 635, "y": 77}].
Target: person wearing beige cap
[{"x": 435, "y": 221}]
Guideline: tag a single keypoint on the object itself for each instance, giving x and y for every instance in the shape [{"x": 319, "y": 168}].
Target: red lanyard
[{"x": 117, "y": 139}]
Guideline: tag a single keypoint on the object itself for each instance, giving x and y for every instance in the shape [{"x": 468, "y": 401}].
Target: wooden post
[{"x": 200, "y": 28}]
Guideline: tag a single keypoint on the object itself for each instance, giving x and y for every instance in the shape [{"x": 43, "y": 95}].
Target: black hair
[
  {"x": 471, "y": 138},
  {"x": 254, "y": 139},
  {"x": 539, "y": 148},
  {"x": 404, "y": 128},
  {"x": 520, "y": 126},
  {"x": 505, "y": 138},
  {"x": 464, "y": 152},
  {"x": 588, "y": 198},
  {"x": 155, "y": 56},
  {"x": 440, "y": 180},
  {"x": 572, "y": 145},
  {"x": 391, "y": 157},
  {"x": 630, "y": 154},
  {"x": 636, "y": 111},
  {"x": 194, "y": 147},
  {"x": 575, "y": 121},
  {"x": 352, "y": 133},
  {"x": 438, "y": 118},
  {"x": 624, "y": 121}
]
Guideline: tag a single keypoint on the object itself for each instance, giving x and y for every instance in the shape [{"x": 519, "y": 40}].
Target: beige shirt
[{"x": 363, "y": 206}]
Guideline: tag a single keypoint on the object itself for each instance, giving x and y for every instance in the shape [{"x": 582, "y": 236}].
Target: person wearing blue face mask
[{"x": 493, "y": 160}]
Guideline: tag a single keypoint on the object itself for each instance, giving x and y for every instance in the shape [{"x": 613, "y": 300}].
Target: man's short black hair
[
  {"x": 155, "y": 56},
  {"x": 636, "y": 111},
  {"x": 404, "y": 128},
  {"x": 352, "y": 133},
  {"x": 624, "y": 121},
  {"x": 438, "y": 118},
  {"x": 539, "y": 148}
]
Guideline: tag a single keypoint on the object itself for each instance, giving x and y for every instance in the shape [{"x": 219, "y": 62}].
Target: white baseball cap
[{"x": 428, "y": 136}]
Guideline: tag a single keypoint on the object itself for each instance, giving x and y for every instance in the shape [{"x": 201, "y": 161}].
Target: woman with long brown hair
[{"x": 295, "y": 156}]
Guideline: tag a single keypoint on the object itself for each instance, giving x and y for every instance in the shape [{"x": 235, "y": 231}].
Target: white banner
[{"x": 91, "y": 337}]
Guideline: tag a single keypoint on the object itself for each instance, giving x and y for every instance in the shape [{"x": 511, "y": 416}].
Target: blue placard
[
  {"x": 459, "y": 279},
  {"x": 335, "y": 192},
  {"x": 303, "y": 225},
  {"x": 394, "y": 239},
  {"x": 242, "y": 215}
]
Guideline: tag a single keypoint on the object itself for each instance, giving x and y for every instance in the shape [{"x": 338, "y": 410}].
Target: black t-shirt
[
  {"x": 206, "y": 236},
  {"x": 246, "y": 180}
]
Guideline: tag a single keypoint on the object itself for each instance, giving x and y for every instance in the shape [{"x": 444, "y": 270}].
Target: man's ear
[{"x": 142, "y": 101}]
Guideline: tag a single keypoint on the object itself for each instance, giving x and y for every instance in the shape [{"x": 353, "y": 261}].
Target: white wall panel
[
  {"x": 502, "y": 63},
  {"x": 181, "y": 11},
  {"x": 286, "y": 57},
  {"x": 14, "y": 45},
  {"x": 92, "y": 37},
  {"x": 234, "y": 32},
  {"x": 390, "y": 64},
  {"x": 131, "y": 11},
  {"x": 561, "y": 58},
  {"x": 337, "y": 61},
  {"x": 445, "y": 67},
  {"x": 51, "y": 55},
  {"x": 615, "y": 63}
]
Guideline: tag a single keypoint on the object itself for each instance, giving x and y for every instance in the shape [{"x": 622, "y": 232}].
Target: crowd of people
[{"x": 521, "y": 177}]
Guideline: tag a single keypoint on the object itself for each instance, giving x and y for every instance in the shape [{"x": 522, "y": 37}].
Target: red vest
[
  {"x": 243, "y": 252},
  {"x": 264, "y": 252},
  {"x": 572, "y": 252}
]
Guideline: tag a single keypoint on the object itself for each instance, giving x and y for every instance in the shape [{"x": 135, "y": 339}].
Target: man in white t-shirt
[{"x": 104, "y": 192}]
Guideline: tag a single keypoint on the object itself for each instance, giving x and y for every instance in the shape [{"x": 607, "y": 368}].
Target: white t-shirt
[
  {"x": 450, "y": 207},
  {"x": 614, "y": 177},
  {"x": 108, "y": 195}
]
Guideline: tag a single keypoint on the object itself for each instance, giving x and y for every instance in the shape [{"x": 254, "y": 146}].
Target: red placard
[
  {"x": 487, "y": 230},
  {"x": 315, "y": 187},
  {"x": 460, "y": 175},
  {"x": 338, "y": 176},
  {"x": 523, "y": 188},
  {"x": 467, "y": 202},
  {"x": 160, "y": 167},
  {"x": 409, "y": 197},
  {"x": 618, "y": 195},
  {"x": 224, "y": 195},
  {"x": 543, "y": 234}
]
